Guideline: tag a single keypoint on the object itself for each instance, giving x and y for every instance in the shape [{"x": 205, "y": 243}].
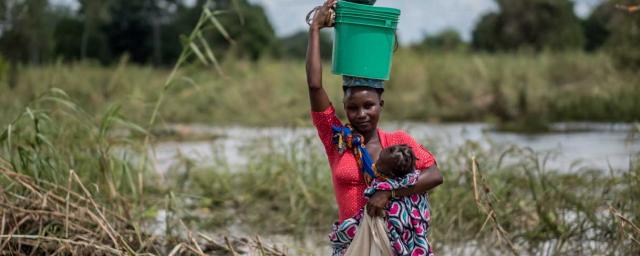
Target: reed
[{"x": 517, "y": 90}]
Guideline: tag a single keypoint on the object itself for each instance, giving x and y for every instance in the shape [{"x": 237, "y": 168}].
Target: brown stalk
[
  {"x": 30, "y": 185},
  {"x": 487, "y": 208},
  {"x": 13, "y": 230},
  {"x": 2, "y": 227},
  {"x": 233, "y": 251},
  {"x": 102, "y": 221},
  {"x": 60, "y": 240},
  {"x": 66, "y": 209},
  {"x": 625, "y": 220}
]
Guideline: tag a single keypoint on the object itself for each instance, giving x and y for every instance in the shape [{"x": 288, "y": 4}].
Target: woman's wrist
[{"x": 314, "y": 28}]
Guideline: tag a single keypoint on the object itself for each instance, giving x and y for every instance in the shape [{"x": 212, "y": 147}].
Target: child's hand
[{"x": 324, "y": 15}]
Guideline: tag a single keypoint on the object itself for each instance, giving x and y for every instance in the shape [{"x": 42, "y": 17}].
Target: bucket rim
[
  {"x": 366, "y": 8},
  {"x": 340, "y": 23},
  {"x": 367, "y": 17},
  {"x": 394, "y": 17}
]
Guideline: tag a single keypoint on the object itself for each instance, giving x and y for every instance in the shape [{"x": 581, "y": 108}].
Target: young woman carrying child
[{"x": 363, "y": 105}]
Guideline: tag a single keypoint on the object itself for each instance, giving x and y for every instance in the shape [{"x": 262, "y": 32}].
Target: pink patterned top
[{"x": 348, "y": 182}]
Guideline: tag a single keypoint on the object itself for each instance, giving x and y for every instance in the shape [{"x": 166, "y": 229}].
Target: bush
[
  {"x": 3, "y": 68},
  {"x": 531, "y": 24}
]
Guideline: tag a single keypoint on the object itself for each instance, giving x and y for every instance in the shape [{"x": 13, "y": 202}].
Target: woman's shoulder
[{"x": 397, "y": 137}]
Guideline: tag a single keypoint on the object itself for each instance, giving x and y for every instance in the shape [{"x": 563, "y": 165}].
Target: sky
[{"x": 418, "y": 18}]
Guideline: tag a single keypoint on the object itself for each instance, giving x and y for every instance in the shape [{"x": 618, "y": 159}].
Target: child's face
[{"x": 385, "y": 164}]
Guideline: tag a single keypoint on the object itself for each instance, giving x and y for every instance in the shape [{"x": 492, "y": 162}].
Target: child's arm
[
  {"x": 317, "y": 95},
  {"x": 428, "y": 179}
]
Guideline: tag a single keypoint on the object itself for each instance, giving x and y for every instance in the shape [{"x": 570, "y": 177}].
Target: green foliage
[
  {"x": 439, "y": 87},
  {"x": 26, "y": 31},
  {"x": 529, "y": 24},
  {"x": 250, "y": 30},
  {"x": 617, "y": 32},
  {"x": 3, "y": 68},
  {"x": 295, "y": 46},
  {"x": 147, "y": 31},
  {"x": 446, "y": 40},
  {"x": 596, "y": 27}
]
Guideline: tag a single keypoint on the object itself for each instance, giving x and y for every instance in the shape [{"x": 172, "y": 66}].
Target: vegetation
[
  {"x": 147, "y": 30},
  {"x": 501, "y": 195},
  {"x": 77, "y": 175},
  {"x": 532, "y": 24},
  {"x": 503, "y": 88}
]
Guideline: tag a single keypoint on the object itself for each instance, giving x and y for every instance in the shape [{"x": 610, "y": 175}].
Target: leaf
[
  {"x": 236, "y": 7},
  {"x": 63, "y": 102},
  {"x": 191, "y": 82},
  {"x": 219, "y": 26},
  {"x": 5, "y": 134},
  {"x": 45, "y": 140},
  {"x": 107, "y": 120},
  {"x": 30, "y": 114},
  {"x": 131, "y": 125},
  {"x": 209, "y": 53},
  {"x": 198, "y": 53},
  {"x": 59, "y": 91}
]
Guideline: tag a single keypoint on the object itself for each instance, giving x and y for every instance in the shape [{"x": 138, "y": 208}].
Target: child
[
  {"x": 407, "y": 218},
  {"x": 395, "y": 162}
]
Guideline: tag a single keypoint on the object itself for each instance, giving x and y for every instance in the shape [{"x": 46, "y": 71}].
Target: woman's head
[{"x": 363, "y": 106}]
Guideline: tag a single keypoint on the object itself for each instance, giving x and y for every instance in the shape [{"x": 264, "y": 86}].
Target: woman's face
[{"x": 363, "y": 107}]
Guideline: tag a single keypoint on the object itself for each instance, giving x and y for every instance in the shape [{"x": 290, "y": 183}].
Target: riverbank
[
  {"x": 515, "y": 91},
  {"x": 495, "y": 199}
]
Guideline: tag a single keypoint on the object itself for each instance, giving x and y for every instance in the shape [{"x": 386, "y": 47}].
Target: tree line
[
  {"x": 148, "y": 31},
  {"x": 551, "y": 25},
  {"x": 37, "y": 31}
]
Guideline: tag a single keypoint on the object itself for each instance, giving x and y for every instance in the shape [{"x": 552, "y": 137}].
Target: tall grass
[
  {"x": 498, "y": 200},
  {"x": 424, "y": 87},
  {"x": 511, "y": 199},
  {"x": 75, "y": 178}
]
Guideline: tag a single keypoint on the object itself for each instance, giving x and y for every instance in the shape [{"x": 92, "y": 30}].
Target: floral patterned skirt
[{"x": 407, "y": 221}]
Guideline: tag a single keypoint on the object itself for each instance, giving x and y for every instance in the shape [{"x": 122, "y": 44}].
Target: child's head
[{"x": 396, "y": 161}]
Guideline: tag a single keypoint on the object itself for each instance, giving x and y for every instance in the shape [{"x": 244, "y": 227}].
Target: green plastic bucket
[{"x": 364, "y": 40}]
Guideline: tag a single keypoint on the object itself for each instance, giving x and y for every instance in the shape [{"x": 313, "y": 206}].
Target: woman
[{"x": 363, "y": 105}]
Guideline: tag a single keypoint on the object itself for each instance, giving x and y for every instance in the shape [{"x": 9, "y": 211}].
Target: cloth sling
[{"x": 371, "y": 238}]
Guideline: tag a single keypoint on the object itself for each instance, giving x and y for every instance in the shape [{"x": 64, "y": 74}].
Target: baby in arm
[{"x": 407, "y": 218}]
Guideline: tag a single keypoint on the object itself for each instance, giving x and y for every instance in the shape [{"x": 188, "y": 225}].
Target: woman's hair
[{"x": 404, "y": 159}]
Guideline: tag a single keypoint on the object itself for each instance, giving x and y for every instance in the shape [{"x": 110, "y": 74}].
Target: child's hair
[{"x": 404, "y": 158}]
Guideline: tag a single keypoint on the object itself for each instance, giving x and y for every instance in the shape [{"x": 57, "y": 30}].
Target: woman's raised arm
[{"x": 317, "y": 95}]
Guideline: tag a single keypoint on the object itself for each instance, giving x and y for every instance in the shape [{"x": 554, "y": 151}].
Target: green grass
[
  {"x": 521, "y": 89},
  {"x": 289, "y": 191}
]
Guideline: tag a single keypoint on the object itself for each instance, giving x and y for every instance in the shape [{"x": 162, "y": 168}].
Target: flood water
[{"x": 572, "y": 146}]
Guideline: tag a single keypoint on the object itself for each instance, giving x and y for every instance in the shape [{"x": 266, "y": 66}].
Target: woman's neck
[{"x": 372, "y": 135}]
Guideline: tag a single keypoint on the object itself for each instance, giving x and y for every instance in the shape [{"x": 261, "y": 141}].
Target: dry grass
[{"x": 40, "y": 218}]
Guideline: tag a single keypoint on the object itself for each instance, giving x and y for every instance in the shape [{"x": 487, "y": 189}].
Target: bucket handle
[
  {"x": 396, "y": 43},
  {"x": 331, "y": 19}
]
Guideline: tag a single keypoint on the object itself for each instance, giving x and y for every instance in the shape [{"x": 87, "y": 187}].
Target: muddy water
[{"x": 571, "y": 147}]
